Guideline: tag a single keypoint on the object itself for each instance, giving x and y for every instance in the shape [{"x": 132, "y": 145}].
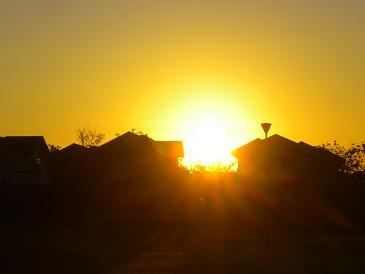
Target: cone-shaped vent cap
[{"x": 266, "y": 127}]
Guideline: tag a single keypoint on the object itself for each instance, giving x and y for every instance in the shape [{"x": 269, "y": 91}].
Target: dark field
[{"x": 105, "y": 250}]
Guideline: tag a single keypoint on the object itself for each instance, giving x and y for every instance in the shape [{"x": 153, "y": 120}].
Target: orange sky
[{"x": 160, "y": 66}]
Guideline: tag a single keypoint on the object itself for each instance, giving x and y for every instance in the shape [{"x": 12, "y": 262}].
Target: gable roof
[
  {"x": 73, "y": 148},
  {"x": 130, "y": 142},
  {"x": 321, "y": 153},
  {"x": 125, "y": 141},
  {"x": 280, "y": 144},
  {"x": 275, "y": 141},
  {"x": 25, "y": 144}
]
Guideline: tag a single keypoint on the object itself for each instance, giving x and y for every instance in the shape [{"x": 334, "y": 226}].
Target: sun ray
[{"x": 208, "y": 146}]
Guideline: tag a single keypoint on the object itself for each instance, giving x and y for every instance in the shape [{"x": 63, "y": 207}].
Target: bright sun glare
[{"x": 207, "y": 145}]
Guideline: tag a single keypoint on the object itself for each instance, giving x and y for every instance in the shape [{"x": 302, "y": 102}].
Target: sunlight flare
[{"x": 208, "y": 147}]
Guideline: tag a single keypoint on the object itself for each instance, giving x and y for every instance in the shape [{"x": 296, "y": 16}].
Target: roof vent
[{"x": 266, "y": 127}]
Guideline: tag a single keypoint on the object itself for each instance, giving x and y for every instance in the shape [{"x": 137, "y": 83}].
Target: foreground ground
[{"x": 105, "y": 250}]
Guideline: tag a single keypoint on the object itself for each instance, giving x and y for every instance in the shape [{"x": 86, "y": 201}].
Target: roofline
[
  {"x": 172, "y": 141},
  {"x": 23, "y": 136}
]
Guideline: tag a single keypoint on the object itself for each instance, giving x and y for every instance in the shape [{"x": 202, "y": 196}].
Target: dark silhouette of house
[
  {"x": 127, "y": 143},
  {"x": 295, "y": 184},
  {"x": 23, "y": 165},
  {"x": 135, "y": 153},
  {"x": 278, "y": 158},
  {"x": 170, "y": 151},
  {"x": 73, "y": 149},
  {"x": 68, "y": 162},
  {"x": 131, "y": 176},
  {"x": 135, "y": 145},
  {"x": 126, "y": 156}
]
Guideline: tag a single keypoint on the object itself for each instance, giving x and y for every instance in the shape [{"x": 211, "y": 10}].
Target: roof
[
  {"x": 280, "y": 144},
  {"x": 73, "y": 148},
  {"x": 274, "y": 141},
  {"x": 25, "y": 144},
  {"x": 321, "y": 153},
  {"x": 126, "y": 140},
  {"x": 131, "y": 142},
  {"x": 170, "y": 149}
]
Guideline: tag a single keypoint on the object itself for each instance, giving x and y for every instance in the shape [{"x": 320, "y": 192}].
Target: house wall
[
  {"x": 21, "y": 175},
  {"x": 286, "y": 165}
]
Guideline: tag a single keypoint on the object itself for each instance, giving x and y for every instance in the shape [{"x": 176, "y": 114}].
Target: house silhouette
[
  {"x": 23, "y": 161},
  {"x": 279, "y": 158},
  {"x": 131, "y": 144},
  {"x": 73, "y": 149},
  {"x": 170, "y": 151},
  {"x": 127, "y": 156}
]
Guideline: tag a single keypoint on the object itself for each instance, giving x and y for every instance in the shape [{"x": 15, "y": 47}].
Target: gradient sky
[{"x": 157, "y": 65}]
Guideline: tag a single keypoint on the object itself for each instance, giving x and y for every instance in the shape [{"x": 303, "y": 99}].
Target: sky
[{"x": 162, "y": 66}]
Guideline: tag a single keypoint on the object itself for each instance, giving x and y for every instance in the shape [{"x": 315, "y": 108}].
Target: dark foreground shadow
[{"x": 162, "y": 250}]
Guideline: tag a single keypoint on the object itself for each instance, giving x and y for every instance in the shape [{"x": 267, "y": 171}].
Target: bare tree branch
[{"x": 89, "y": 137}]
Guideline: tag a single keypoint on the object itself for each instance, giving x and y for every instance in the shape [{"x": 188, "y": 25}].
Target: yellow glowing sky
[{"x": 163, "y": 66}]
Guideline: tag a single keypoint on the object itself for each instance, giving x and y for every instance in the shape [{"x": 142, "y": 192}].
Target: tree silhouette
[
  {"x": 89, "y": 137},
  {"x": 139, "y": 132},
  {"x": 354, "y": 156},
  {"x": 53, "y": 148}
]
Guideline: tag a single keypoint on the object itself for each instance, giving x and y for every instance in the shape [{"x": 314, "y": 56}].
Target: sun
[
  {"x": 211, "y": 125},
  {"x": 207, "y": 145}
]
